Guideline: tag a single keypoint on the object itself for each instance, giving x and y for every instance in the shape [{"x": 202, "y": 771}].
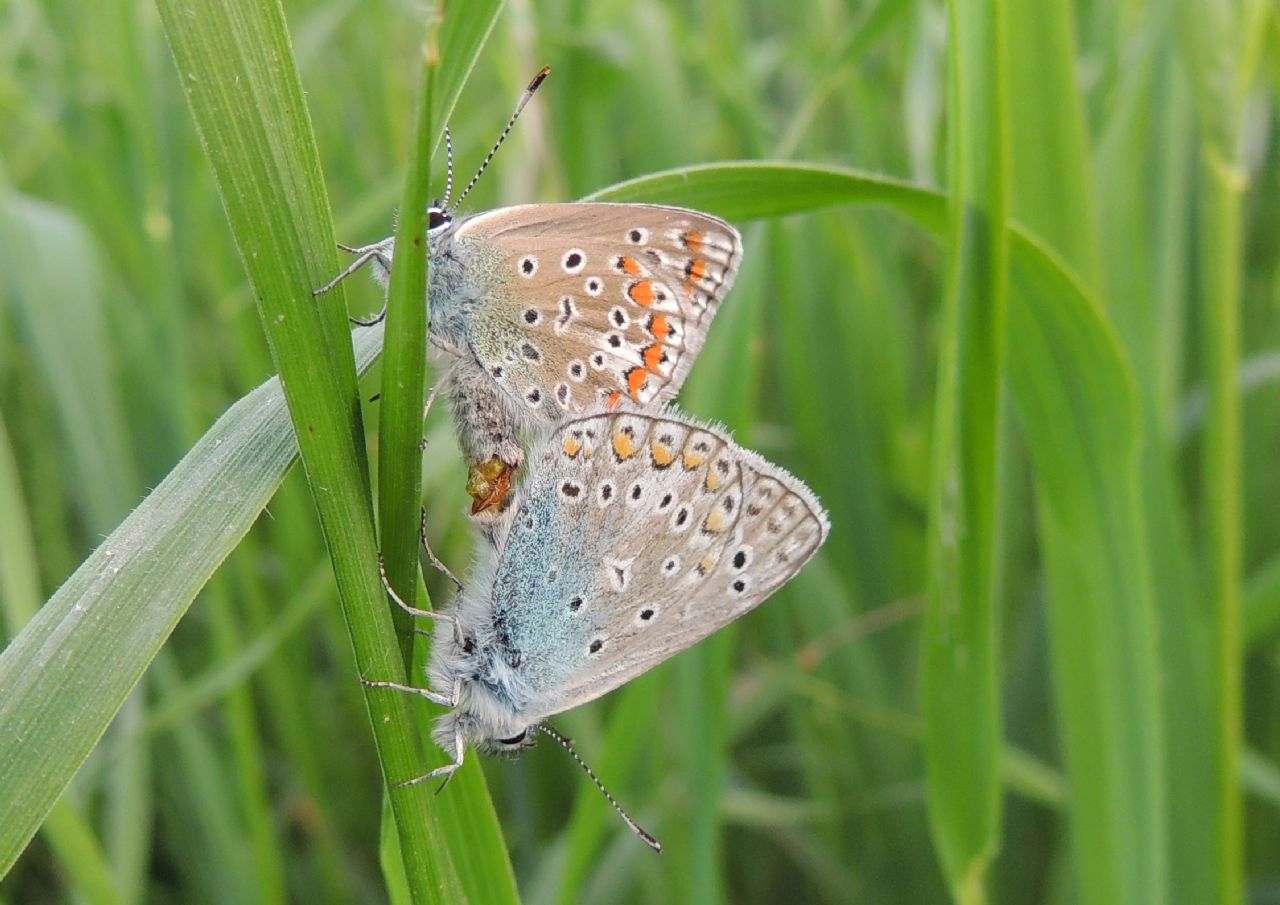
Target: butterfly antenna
[
  {"x": 448, "y": 173},
  {"x": 568, "y": 746},
  {"x": 524, "y": 99}
]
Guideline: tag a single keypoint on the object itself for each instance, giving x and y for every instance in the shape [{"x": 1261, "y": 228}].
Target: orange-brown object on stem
[{"x": 488, "y": 483}]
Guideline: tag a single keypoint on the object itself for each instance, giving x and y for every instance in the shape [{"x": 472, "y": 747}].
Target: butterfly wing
[
  {"x": 635, "y": 536},
  {"x": 599, "y": 301}
]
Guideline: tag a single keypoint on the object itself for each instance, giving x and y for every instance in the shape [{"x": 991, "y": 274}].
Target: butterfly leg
[
  {"x": 445, "y": 771},
  {"x": 371, "y": 322},
  {"x": 435, "y": 697},
  {"x": 426, "y": 410},
  {"x": 426, "y": 548},
  {"x": 378, "y": 252},
  {"x": 413, "y": 610}
]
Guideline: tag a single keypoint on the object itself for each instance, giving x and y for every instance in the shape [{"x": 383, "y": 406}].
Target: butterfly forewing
[
  {"x": 634, "y": 537},
  {"x": 610, "y": 300}
]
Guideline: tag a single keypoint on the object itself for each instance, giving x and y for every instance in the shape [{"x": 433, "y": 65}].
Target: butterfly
[
  {"x": 633, "y": 536},
  {"x": 544, "y": 310}
]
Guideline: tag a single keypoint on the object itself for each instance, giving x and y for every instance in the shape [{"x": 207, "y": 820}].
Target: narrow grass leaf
[
  {"x": 450, "y": 50},
  {"x": 958, "y": 690},
  {"x": 19, "y": 572},
  {"x": 404, "y": 371},
  {"x": 462, "y": 35},
  {"x": 1214, "y": 45},
  {"x": 752, "y": 190}
]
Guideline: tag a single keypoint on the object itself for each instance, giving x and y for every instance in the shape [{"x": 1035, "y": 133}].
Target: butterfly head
[
  {"x": 439, "y": 218},
  {"x": 513, "y": 745},
  {"x": 487, "y": 731}
]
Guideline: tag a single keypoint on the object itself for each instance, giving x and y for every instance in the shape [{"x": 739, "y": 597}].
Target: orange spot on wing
[
  {"x": 652, "y": 357},
  {"x": 662, "y": 455},
  {"x": 659, "y": 327},
  {"x": 641, "y": 292},
  {"x": 696, "y": 269},
  {"x": 713, "y": 480},
  {"x": 636, "y": 379},
  {"x": 572, "y": 446},
  {"x": 628, "y": 265},
  {"x": 612, "y": 400},
  {"x": 623, "y": 445},
  {"x": 692, "y": 460},
  {"x": 693, "y": 241}
]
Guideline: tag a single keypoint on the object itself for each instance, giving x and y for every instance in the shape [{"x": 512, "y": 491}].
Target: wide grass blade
[
  {"x": 236, "y": 64},
  {"x": 1077, "y": 406},
  {"x": 69, "y": 670}
]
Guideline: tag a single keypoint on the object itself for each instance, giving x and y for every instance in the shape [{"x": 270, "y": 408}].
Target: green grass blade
[
  {"x": 404, "y": 372},
  {"x": 451, "y": 49},
  {"x": 958, "y": 691},
  {"x": 57, "y": 286},
  {"x": 1215, "y": 44},
  {"x": 247, "y": 756},
  {"x": 1052, "y": 186},
  {"x": 755, "y": 189},
  {"x": 1054, "y": 197},
  {"x": 1077, "y": 405},
  {"x": 462, "y": 36},
  {"x": 1142, "y": 160},
  {"x": 475, "y": 838},
  {"x": 79, "y": 849},
  {"x": 236, "y": 65},
  {"x": 109, "y": 619},
  {"x": 1262, "y": 602},
  {"x": 19, "y": 573}
]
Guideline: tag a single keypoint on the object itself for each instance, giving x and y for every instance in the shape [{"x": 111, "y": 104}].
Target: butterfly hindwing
[
  {"x": 598, "y": 301},
  {"x": 634, "y": 537}
]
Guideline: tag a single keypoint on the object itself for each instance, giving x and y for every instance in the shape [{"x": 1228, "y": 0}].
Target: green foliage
[{"x": 1023, "y": 669}]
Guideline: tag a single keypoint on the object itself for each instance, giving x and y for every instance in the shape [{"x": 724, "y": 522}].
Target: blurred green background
[{"x": 783, "y": 759}]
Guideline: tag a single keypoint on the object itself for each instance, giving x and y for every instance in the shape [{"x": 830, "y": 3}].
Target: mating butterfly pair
[{"x": 635, "y": 531}]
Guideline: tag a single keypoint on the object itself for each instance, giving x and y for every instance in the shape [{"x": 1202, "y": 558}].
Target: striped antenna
[
  {"x": 524, "y": 99},
  {"x": 568, "y": 746},
  {"x": 448, "y": 173}
]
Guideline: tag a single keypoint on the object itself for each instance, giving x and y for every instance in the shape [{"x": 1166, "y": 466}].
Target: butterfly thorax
[{"x": 466, "y": 285}]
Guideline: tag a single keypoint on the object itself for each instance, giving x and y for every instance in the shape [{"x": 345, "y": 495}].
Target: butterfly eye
[
  {"x": 515, "y": 739},
  {"x": 437, "y": 217}
]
